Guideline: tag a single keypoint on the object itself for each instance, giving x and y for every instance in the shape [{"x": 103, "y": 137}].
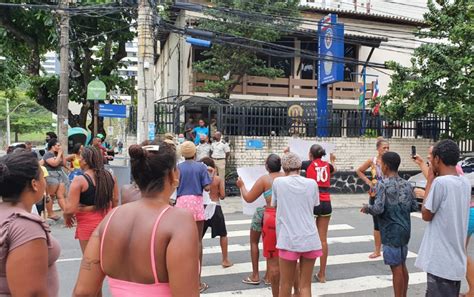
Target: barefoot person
[
  {"x": 263, "y": 186},
  {"x": 28, "y": 252},
  {"x": 91, "y": 195},
  {"x": 395, "y": 201},
  {"x": 295, "y": 197},
  {"x": 146, "y": 248},
  {"x": 376, "y": 171},
  {"x": 321, "y": 172},
  {"x": 217, "y": 221},
  {"x": 194, "y": 179}
]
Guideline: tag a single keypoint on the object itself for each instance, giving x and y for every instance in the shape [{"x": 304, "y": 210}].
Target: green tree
[
  {"x": 441, "y": 78},
  {"x": 97, "y": 44},
  {"x": 28, "y": 117},
  {"x": 229, "y": 62}
]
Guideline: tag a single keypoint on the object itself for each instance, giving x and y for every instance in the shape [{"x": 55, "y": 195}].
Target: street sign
[
  {"x": 96, "y": 90},
  {"x": 254, "y": 144},
  {"x": 151, "y": 131},
  {"x": 330, "y": 66},
  {"x": 331, "y": 50},
  {"x": 112, "y": 111}
]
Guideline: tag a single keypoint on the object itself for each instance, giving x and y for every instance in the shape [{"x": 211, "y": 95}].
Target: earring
[{"x": 176, "y": 183}]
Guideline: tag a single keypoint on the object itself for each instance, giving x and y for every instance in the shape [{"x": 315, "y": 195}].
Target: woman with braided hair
[{"x": 91, "y": 195}]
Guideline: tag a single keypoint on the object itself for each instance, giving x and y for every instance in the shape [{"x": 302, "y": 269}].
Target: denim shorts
[{"x": 394, "y": 256}]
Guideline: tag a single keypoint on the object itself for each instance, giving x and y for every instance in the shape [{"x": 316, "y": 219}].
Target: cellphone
[{"x": 413, "y": 151}]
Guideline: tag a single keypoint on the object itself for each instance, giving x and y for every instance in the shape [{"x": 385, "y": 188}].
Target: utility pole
[
  {"x": 63, "y": 98},
  {"x": 8, "y": 122},
  {"x": 146, "y": 86}
]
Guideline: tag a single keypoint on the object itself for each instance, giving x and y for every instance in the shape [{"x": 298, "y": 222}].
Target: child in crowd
[
  {"x": 216, "y": 218},
  {"x": 395, "y": 200}
]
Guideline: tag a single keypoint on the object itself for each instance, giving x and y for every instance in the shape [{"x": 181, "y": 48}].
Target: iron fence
[
  {"x": 266, "y": 121},
  {"x": 254, "y": 119}
]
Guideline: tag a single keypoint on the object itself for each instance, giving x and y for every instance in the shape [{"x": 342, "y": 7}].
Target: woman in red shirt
[{"x": 321, "y": 171}]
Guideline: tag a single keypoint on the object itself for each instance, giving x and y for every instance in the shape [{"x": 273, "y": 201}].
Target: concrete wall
[{"x": 350, "y": 152}]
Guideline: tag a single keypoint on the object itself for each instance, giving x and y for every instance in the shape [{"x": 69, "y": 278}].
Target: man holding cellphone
[{"x": 442, "y": 253}]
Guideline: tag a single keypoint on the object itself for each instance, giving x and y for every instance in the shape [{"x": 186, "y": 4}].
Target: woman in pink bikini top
[{"x": 138, "y": 245}]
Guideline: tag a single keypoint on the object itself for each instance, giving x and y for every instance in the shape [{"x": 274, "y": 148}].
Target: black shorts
[
  {"x": 324, "y": 209},
  {"x": 374, "y": 218},
  {"x": 440, "y": 287},
  {"x": 217, "y": 224}
]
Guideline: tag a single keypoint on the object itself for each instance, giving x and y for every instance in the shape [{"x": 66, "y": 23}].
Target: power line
[
  {"x": 280, "y": 49},
  {"x": 314, "y": 22},
  {"x": 293, "y": 31}
]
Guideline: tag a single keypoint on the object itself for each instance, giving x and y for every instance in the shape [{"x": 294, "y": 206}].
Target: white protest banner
[
  {"x": 249, "y": 176},
  {"x": 301, "y": 148}
]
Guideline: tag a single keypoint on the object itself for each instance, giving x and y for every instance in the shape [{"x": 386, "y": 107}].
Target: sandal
[
  {"x": 267, "y": 282},
  {"x": 249, "y": 281},
  {"x": 203, "y": 288},
  {"x": 374, "y": 255}
]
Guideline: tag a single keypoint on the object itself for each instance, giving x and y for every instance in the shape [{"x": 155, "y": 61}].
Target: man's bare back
[{"x": 217, "y": 190}]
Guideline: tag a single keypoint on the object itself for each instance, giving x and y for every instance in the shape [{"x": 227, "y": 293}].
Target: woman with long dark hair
[
  {"x": 28, "y": 252},
  {"x": 91, "y": 195},
  {"x": 321, "y": 171},
  {"x": 146, "y": 247}
]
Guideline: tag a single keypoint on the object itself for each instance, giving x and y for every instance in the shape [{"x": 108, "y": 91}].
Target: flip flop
[
  {"x": 203, "y": 288},
  {"x": 316, "y": 278},
  {"x": 227, "y": 266},
  {"x": 267, "y": 283},
  {"x": 248, "y": 281},
  {"x": 374, "y": 256},
  {"x": 54, "y": 218}
]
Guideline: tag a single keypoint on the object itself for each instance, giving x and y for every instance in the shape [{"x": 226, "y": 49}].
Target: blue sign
[
  {"x": 331, "y": 50},
  {"x": 151, "y": 131},
  {"x": 112, "y": 111},
  {"x": 330, "y": 66},
  {"x": 254, "y": 144}
]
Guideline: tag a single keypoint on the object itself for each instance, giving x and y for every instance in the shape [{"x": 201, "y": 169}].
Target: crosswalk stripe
[
  {"x": 343, "y": 286},
  {"x": 246, "y": 246},
  {"x": 239, "y": 233},
  {"x": 246, "y": 267},
  {"x": 416, "y": 215},
  {"x": 238, "y": 222}
]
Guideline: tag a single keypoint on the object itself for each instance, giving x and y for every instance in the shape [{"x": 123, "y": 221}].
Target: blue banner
[
  {"x": 112, "y": 111},
  {"x": 331, "y": 50},
  {"x": 330, "y": 66}
]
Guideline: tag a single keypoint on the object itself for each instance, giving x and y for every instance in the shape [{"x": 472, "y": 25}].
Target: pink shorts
[
  {"x": 293, "y": 256},
  {"x": 194, "y": 204}
]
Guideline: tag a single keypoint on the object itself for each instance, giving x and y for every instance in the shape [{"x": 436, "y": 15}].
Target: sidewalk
[{"x": 234, "y": 204}]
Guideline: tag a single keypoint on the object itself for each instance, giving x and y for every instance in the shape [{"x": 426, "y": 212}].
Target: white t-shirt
[
  {"x": 295, "y": 198},
  {"x": 442, "y": 251}
]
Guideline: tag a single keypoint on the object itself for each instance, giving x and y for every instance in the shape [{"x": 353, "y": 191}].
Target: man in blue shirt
[
  {"x": 395, "y": 200},
  {"x": 200, "y": 130}
]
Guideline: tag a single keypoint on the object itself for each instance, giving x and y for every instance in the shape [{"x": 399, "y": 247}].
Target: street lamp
[{"x": 8, "y": 118}]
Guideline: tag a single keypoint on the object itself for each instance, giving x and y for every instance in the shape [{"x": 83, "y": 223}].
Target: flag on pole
[
  {"x": 376, "y": 109},
  {"x": 361, "y": 97}
]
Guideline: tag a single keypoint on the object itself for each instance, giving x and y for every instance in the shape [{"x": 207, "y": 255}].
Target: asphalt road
[{"x": 349, "y": 273}]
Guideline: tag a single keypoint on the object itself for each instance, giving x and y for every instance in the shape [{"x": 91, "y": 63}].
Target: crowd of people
[{"x": 180, "y": 182}]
